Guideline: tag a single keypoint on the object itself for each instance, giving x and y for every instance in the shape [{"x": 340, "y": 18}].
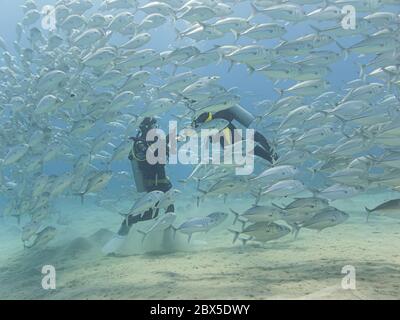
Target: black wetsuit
[
  {"x": 262, "y": 149},
  {"x": 154, "y": 178}
]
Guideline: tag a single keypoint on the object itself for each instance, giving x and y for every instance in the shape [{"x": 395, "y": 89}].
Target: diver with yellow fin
[{"x": 237, "y": 113}]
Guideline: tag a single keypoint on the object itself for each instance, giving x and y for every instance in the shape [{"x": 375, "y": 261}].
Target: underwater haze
[{"x": 314, "y": 211}]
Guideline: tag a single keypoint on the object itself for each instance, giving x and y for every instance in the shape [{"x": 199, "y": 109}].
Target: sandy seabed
[{"x": 210, "y": 267}]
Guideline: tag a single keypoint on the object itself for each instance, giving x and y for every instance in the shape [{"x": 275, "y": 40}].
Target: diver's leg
[
  {"x": 259, "y": 138},
  {"x": 116, "y": 243},
  {"x": 267, "y": 151},
  {"x": 131, "y": 220},
  {"x": 262, "y": 153},
  {"x": 231, "y": 128}
]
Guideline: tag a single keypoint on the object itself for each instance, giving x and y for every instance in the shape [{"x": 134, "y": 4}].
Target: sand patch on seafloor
[{"x": 211, "y": 267}]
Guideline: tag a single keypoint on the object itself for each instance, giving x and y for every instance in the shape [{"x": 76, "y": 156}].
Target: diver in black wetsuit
[
  {"x": 245, "y": 118},
  {"x": 148, "y": 177}
]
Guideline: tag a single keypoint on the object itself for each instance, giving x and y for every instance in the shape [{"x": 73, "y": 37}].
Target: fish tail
[
  {"x": 279, "y": 91},
  {"x": 235, "y": 234},
  {"x": 236, "y": 34},
  {"x": 362, "y": 74},
  {"x": 296, "y": 230},
  {"x": 276, "y": 206},
  {"x": 144, "y": 234},
  {"x": 178, "y": 34},
  {"x": 199, "y": 198},
  {"x": 345, "y": 51},
  {"x": 368, "y": 212},
  {"x": 174, "y": 68},
  {"x": 244, "y": 241},
  {"x": 243, "y": 222},
  {"x": 237, "y": 215},
  {"x": 220, "y": 55},
  {"x": 231, "y": 64},
  {"x": 82, "y": 195},
  {"x": 174, "y": 231},
  {"x": 254, "y": 12},
  {"x": 257, "y": 195}
]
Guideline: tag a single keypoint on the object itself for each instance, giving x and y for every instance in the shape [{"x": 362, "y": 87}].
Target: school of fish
[{"x": 75, "y": 93}]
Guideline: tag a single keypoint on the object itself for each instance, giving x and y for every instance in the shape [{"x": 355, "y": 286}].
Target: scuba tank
[
  {"x": 135, "y": 157},
  {"x": 241, "y": 115},
  {"x": 138, "y": 153}
]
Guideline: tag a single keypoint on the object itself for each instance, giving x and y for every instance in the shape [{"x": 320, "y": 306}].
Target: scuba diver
[
  {"x": 148, "y": 177},
  {"x": 245, "y": 118}
]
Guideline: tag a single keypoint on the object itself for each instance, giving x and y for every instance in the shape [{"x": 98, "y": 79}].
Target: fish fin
[
  {"x": 190, "y": 237},
  {"x": 276, "y": 206},
  {"x": 317, "y": 30}
]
